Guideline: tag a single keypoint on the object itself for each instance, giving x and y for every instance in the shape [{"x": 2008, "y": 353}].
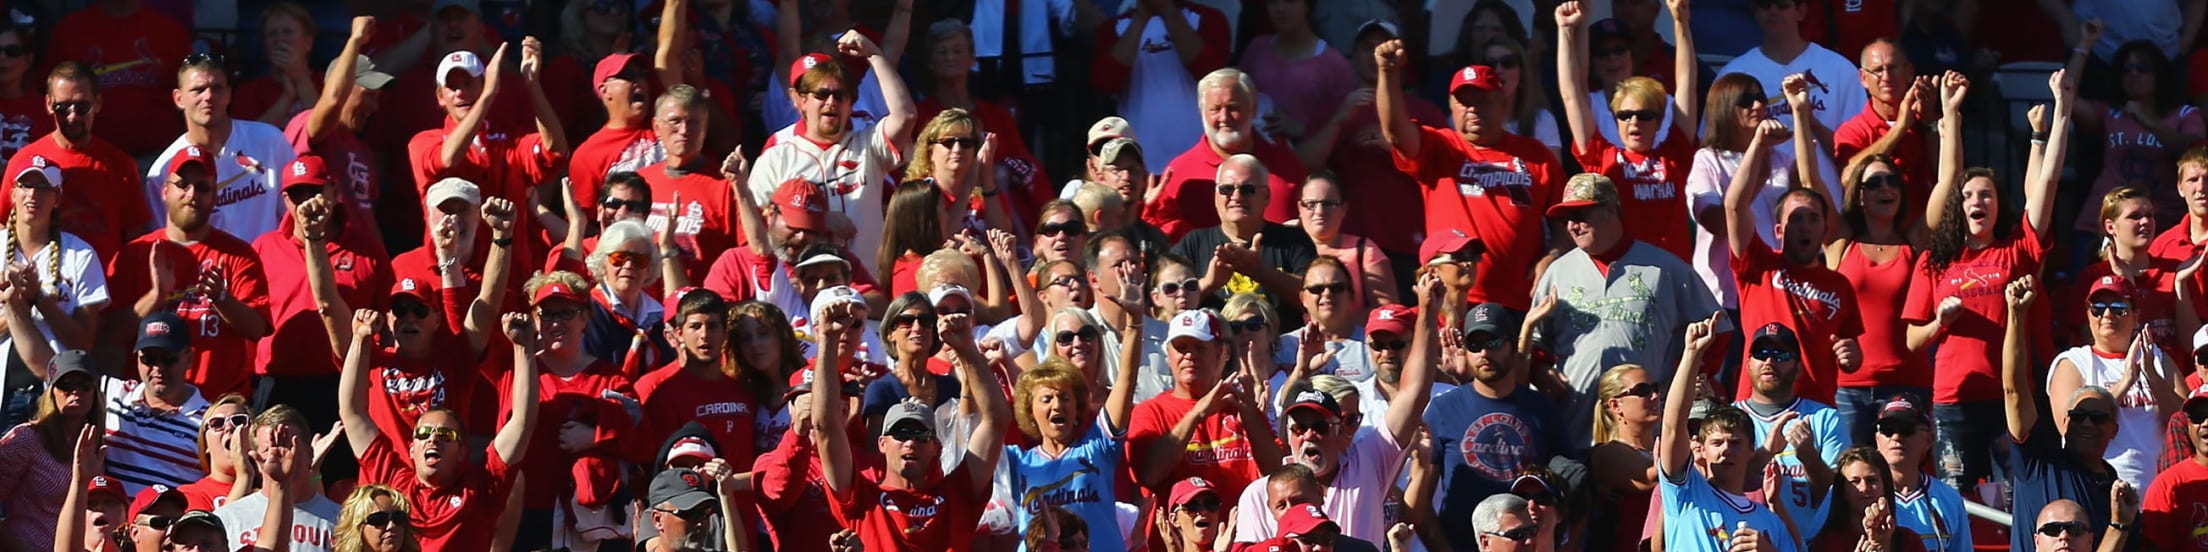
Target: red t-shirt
[
  {"x": 791, "y": 495},
  {"x": 601, "y": 154},
  {"x": 351, "y": 163},
  {"x": 705, "y": 223},
  {"x": 1649, "y": 187},
  {"x": 1868, "y": 127},
  {"x": 1185, "y": 203},
  {"x": 501, "y": 164},
  {"x": 673, "y": 397},
  {"x": 103, "y": 199},
  {"x": 1880, "y": 292},
  {"x": 297, "y": 345},
  {"x": 205, "y": 494},
  {"x": 459, "y": 516},
  {"x": 1219, "y": 451},
  {"x": 2176, "y": 246},
  {"x": 1814, "y": 301},
  {"x": 1498, "y": 194},
  {"x": 1378, "y": 203},
  {"x": 561, "y": 399},
  {"x": 252, "y": 99},
  {"x": 2175, "y": 507},
  {"x": 401, "y": 390},
  {"x": 943, "y": 517},
  {"x": 225, "y": 358},
  {"x": 136, "y": 57},
  {"x": 1846, "y": 26},
  {"x": 1967, "y": 365},
  {"x": 736, "y": 272},
  {"x": 23, "y": 119}
]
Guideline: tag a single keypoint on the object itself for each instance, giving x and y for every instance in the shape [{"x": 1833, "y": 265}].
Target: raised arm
[
  {"x": 338, "y": 82},
  {"x": 1033, "y": 315},
  {"x": 674, "y": 21},
  {"x": 554, "y": 138},
  {"x": 898, "y": 125},
  {"x": 1672, "y": 448},
  {"x": 1686, "y": 69},
  {"x": 750, "y": 217},
  {"x": 2016, "y": 374},
  {"x": 1395, "y": 119},
  {"x": 986, "y": 445},
  {"x": 455, "y": 149},
  {"x": 513, "y": 437},
  {"x": 1571, "y": 74},
  {"x": 1953, "y": 88},
  {"x": 498, "y": 214},
  {"x": 2039, "y": 190},
  {"x": 1806, "y": 153},
  {"x": 310, "y": 224},
  {"x": 1415, "y": 385},
  {"x": 87, "y": 461},
  {"x": 276, "y": 460},
  {"x": 1740, "y": 196},
  {"x": 30, "y": 346},
  {"x": 1134, "y": 289},
  {"x": 831, "y": 421},
  {"x": 352, "y": 383}
]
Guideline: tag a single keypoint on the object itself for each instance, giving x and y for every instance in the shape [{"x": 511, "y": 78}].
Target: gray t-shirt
[
  {"x": 311, "y": 522},
  {"x": 1634, "y": 314}
]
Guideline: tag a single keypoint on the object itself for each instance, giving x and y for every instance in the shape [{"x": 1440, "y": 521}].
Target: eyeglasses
[
  {"x": 302, "y": 193},
  {"x": 192, "y": 185},
  {"x": 1642, "y": 115},
  {"x": 387, "y": 518},
  {"x": 2060, "y": 529},
  {"x": 826, "y": 94},
  {"x": 1237, "y": 189},
  {"x": 1251, "y": 324},
  {"x": 409, "y": 309},
  {"x": 639, "y": 205},
  {"x": 913, "y": 320},
  {"x": 559, "y": 315},
  {"x": 1069, "y": 229},
  {"x": 1642, "y": 389},
  {"x": 2110, "y": 308},
  {"x": 962, "y": 142},
  {"x": 152, "y": 358},
  {"x": 1317, "y": 204},
  {"x": 1326, "y": 289},
  {"x": 1175, "y": 288},
  {"x": 912, "y": 434},
  {"x": 626, "y": 258},
  {"x": 1086, "y": 333},
  {"x": 1379, "y": 346},
  {"x": 1506, "y": 61},
  {"x": 1199, "y": 504},
  {"x": 1542, "y": 498},
  {"x": 2092, "y": 416},
  {"x": 1768, "y": 354},
  {"x": 156, "y": 523},
  {"x": 1069, "y": 281},
  {"x": 439, "y": 434},
  {"x": 1897, "y": 429},
  {"x": 14, "y": 50},
  {"x": 1476, "y": 345},
  {"x": 220, "y": 423},
  {"x": 1523, "y": 533},
  {"x": 1881, "y": 181},
  {"x": 65, "y": 108}
]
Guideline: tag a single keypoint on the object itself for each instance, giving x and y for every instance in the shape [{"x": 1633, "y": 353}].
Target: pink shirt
[
  {"x": 1358, "y": 254},
  {"x": 1305, "y": 87},
  {"x": 1362, "y": 481}
]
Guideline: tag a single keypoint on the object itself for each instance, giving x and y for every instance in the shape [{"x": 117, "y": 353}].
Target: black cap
[
  {"x": 198, "y": 517},
  {"x": 163, "y": 330},
  {"x": 681, "y": 488},
  {"x": 1778, "y": 336},
  {"x": 1607, "y": 30},
  {"x": 1492, "y": 318},
  {"x": 69, "y": 362}
]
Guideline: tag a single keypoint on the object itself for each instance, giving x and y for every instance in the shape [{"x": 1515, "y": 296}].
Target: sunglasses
[
  {"x": 2196, "y": 417},
  {"x": 221, "y": 423},
  {"x": 1175, "y": 288},
  {"x": 912, "y": 434},
  {"x": 1251, "y": 324},
  {"x": 1897, "y": 429},
  {"x": 1541, "y": 498},
  {"x": 14, "y": 50},
  {"x": 1321, "y": 427},
  {"x": 1086, "y": 333},
  {"x": 1506, "y": 61},
  {"x": 625, "y": 258},
  {"x": 2091, "y": 416},
  {"x": 156, "y": 523},
  {"x": 409, "y": 309},
  {"x": 561, "y": 315},
  {"x": 387, "y": 518},
  {"x": 2200, "y": 359},
  {"x": 826, "y": 94},
  {"x": 1379, "y": 346},
  {"x": 1199, "y": 504},
  {"x": 65, "y": 108},
  {"x": 202, "y": 58},
  {"x": 149, "y": 358},
  {"x": 1318, "y": 204},
  {"x": 2060, "y": 529},
  {"x": 1642, "y": 389},
  {"x": 1237, "y": 189},
  {"x": 438, "y": 434},
  {"x": 1881, "y": 181},
  {"x": 302, "y": 193},
  {"x": 1642, "y": 115},
  {"x": 963, "y": 142},
  {"x": 1070, "y": 229},
  {"x": 1484, "y": 345},
  {"x": 74, "y": 386},
  {"x": 639, "y": 205},
  {"x": 1749, "y": 99},
  {"x": 1768, "y": 354},
  {"x": 202, "y": 185},
  {"x": 913, "y": 320},
  {"x": 1326, "y": 289},
  {"x": 2110, "y": 308},
  {"x": 1067, "y": 280},
  {"x": 1523, "y": 533}
]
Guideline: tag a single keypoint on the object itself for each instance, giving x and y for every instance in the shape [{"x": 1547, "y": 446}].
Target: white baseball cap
[
  {"x": 461, "y": 60},
  {"x": 1201, "y": 324},
  {"x": 451, "y": 189},
  {"x": 943, "y": 291},
  {"x": 41, "y": 165}
]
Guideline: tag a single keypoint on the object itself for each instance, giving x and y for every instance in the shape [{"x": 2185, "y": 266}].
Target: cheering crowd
[{"x": 1303, "y": 283}]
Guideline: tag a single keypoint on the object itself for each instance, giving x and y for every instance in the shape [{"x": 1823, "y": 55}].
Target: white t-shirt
[
  {"x": 1353, "y": 499},
  {"x": 1160, "y": 101},
  {"x": 1040, "y": 21},
  {"x": 856, "y": 172},
  {"x": 1544, "y": 129},
  {"x": 1835, "y": 94},
  {"x": 2137, "y": 446},
  {"x": 312, "y": 522},
  {"x": 249, "y": 199},
  {"x": 83, "y": 283}
]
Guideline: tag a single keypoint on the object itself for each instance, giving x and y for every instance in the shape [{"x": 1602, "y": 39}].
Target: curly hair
[
  {"x": 771, "y": 318},
  {"x": 355, "y": 512},
  {"x": 1952, "y": 238},
  {"x": 1055, "y": 373},
  {"x": 953, "y": 122}
]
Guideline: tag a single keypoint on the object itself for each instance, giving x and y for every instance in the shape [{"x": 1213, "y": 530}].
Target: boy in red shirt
[
  {"x": 688, "y": 191},
  {"x": 694, "y": 388},
  {"x": 104, "y": 204}
]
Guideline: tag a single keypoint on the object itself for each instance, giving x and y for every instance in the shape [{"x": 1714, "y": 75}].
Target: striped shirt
[{"x": 147, "y": 446}]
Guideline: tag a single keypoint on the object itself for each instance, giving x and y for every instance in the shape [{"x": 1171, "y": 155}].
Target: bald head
[
  {"x": 2072, "y": 531},
  {"x": 2062, "y": 510}
]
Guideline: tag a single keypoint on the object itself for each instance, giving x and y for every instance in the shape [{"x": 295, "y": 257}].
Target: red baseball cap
[
  {"x": 1451, "y": 241},
  {"x": 555, "y": 290},
  {"x": 610, "y": 66},
  {"x": 802, "y": 205},
  {"x": 1188, "y": 489},
  {"x": 806, "y": 63},
  {"x": 153, "y": 495},
  {"x": 307, "y": 170},
  {"x": 102, "y": 485},
  {"x": 421, "y": 291},
  {"x": 695, "y": 448},
  {"x": 1479, "y": 77},
  {"x": 190, "y": 155},
  {"x": 1394, "y": 319},
  {"x": 801, "y": 382},
  {"x": 1304, "y": 519},
  {"x": 2111, "y": 284}
]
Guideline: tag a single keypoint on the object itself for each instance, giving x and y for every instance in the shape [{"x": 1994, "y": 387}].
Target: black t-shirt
[{"x": 1283, "y": 248}]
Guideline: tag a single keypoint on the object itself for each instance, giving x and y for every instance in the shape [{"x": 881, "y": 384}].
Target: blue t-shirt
[
  {"x": 1935, "y": 513},
  {"x": 2042, "y": 471},
  {"x": 1700, "y": 518},
  {"x": 1080, "y": 480},
  {"x": 886, "y": 391},
  {"x": 1832, "y": 438},
  {"x": 1481, "y": 444}
]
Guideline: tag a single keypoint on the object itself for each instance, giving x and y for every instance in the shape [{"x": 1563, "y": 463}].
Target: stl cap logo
[
  {"x": 191, "y": 151},
  {"x": 2108, "y": 280},
  {"x": 454, "y": 501},
  {"x": 157, "y": 329},
  {"x": 298, "y": 168},
  {"x": 810, "y": 61},
  {"x": 455, "y": 57},
  {"x": 1471, "y": 73},
  {"x": 406, "y": 284},
  {"x": 1314, "y": 511},
  {"x": 99, "y": 481},
  {"x": 692, "y": 479},
  {"x": 38, "y": 161},
  {"x": 1199, "y": 483}
]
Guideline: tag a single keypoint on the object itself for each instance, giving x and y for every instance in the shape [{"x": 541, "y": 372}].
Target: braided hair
[{"x": 52, "y": 283}]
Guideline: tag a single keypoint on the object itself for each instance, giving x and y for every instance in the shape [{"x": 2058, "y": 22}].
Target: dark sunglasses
[
  {"x": 302, "y": 193},
  {"x": 150, "y": 358},
  {"x": 1523, "y": 533},
  {"x": 2108, "y": 308},
  {"x": 387, "y": 518},
  {"x": 1378, "y": 346},
  {"x": 14, "y": 50},
  {"x": 1237, "y": 189},
  {"x": 201, "y": 185},
  {"x": 220, "y": 423},
  {"x": 626, "y": 258},
  {"x": 960, "y": 142},
  {"x": 826, "y": 94},
  {"x": 1897, "y": 429},
  {"x": 2196, "y": 417},
  {"x": 692, "y": 515},
  {"x": 912, "y": 434},
  {"x": 2091, "y": 415},
  {"x": 1642, "y": 115},
  {"x": 1493, "y": 342},
  {"x": 1199, "y": 504},
  {"x": 2059, "y": 529},
  {"x": 1767, "y": 354},
  {"x": 2200, "y": 359},
  {"x": 1749, "y": 98},
  {"x": 409, "y": 309},
  {"x": 1506, "y": 61},
  {"x": 65, "y": 108},
  {"x": 1881, "y": 181},
  {"x": 640, "y": 205},
  {"x": 1320, "y": 289},
  {"x": 202, "y": 58},
  {"x": 74, "y": 385},
  {"x": 439, "y": 434},
  {"x": 1067, "y": 280},
  {"x": 1250, "y": 324},
  {"x": 561, "y": 315},
  {"x": 1317, "y": 204},
  {"x": 1086, "y": 333},
  {"x": 1321, "y": 427},
  {"x": 1172, "y": 288},
  {"x": 919, "y": 320},
  {"x": 1071, "y": 229},
  {"x": 1642, "y": 389},
  {"x": 1542, "y": 498}
]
